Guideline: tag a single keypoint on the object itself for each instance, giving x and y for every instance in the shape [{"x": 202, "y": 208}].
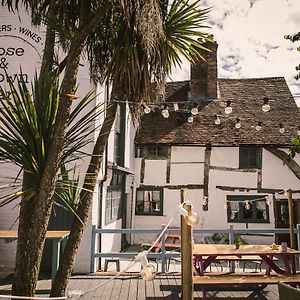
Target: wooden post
[
  {"x": 186, "y": 255},
  {"x": 291, "y": 218}
]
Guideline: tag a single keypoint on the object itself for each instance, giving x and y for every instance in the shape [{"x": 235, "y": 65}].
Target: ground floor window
[
  {"x": 247, "y": 209},
  {"x": 149, "y": 201},
  {"x": 114, "y": 195}
]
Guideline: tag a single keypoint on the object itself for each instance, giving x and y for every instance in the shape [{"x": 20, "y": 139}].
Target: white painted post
[
  {"x": 163, "y": 250},
  {"x": 231, "y": 241},
  {"x": 93, "y": 249},
  {"x": 298, "y": 239}
]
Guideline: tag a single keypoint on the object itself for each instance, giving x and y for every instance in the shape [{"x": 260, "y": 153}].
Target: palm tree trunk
[
  {"x": 25, "y": 283},
  {"x": 34, "y": 215},
  {"x": 86, "y": 196},
  {"x": 48, "y": 55}
]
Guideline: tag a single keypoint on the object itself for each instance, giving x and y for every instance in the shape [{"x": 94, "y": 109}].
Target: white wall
[
  {"x": 276, "y": 174},
  {"x": 155, "y": 172},
  {"x": 187, "y": 167},
  {"x": 19, "y": 49}
]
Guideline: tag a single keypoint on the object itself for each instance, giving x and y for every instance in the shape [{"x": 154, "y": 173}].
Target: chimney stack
[{"x": 204, "y": 74}]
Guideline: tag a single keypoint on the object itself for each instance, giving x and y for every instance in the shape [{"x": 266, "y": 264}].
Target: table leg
[
  {"x": 55, "y": 257},
  {"x": 268, "y": 268},
  {"x": 197, "y": 265},
  {"x": 271, "y": 265},
  {"x": 208, "y": 261},
  {"x": 287, "y": 266}
]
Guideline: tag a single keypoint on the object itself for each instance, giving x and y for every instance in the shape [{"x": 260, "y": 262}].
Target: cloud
[{"x": 250, "y": 34}]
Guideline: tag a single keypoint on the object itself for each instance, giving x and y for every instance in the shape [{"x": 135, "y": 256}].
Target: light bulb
[
  {"x": 148, "y": 273},
  {"x": 147, "y": 109},
  {"x": 258, "y": 126},
  {"x": 281, "y": 128},
  {"x": 228, "y": 108},
  {"x": 225, "y": 204},
  {"x": 205, "y": 200},
  {"x": 217, "y": 120},
  {"x": 175, "y": 107},
  {"x": 165, "y": 113},
  {"x": 191, "y": 218},
  {"x": 190, "y": 119},
  {"x": 268, "y": 201},
  {"x": 247, "y": 205},
  {"x": 266, "y": 107},
  {"x": 194, "y": 111},
  {"x": 238, "y": 123},
  {"x": 285, "y": 193}
]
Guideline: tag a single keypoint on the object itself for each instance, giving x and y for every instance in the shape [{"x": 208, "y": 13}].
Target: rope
[
  {"x": 111, "y": 279},
  {"x": 35, "y": 298},
  {"x": 133, "y": 262}
]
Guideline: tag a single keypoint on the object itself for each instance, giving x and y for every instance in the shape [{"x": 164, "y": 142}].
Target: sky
[{"x": 250, "y": 35}]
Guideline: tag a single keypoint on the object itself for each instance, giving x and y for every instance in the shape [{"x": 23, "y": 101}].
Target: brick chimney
[{"x": 204, "y": 74}]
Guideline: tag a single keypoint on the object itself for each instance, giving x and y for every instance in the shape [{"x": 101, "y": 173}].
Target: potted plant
[{"x": 238, "y": 241}]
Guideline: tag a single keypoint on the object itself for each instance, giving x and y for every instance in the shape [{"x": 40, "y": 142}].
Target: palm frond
[{"x": 27, "y": 122}]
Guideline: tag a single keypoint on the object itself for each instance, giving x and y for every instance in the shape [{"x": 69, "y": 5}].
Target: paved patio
[{"x": 129, "y": 287}]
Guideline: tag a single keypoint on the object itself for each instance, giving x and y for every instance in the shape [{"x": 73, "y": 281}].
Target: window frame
[
  {"x": 114, "y": 187},
  {"x": 160, "y": 151},
  {"x": 241, "y": 199},
  {"x": 244, "y": 162},
  {"x": 152, "y": 213}
]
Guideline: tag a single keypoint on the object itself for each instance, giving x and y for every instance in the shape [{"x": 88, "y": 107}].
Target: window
[
  {"x": 152, "y": 151},
  {"x": 114, "y": 197},
  {"x": 117, "y": 142},
  {"x": 149, "y": 202},
  {"x": 250, "y": 157},
  {"x": 238, "y": 212}
]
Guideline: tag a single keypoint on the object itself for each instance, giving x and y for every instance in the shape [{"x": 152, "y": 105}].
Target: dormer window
[
  {"x": 152, "y": 151},
  {"x": 249, "y": 157}
]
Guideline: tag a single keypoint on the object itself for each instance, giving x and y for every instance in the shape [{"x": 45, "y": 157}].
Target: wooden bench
[
  {"x": 241, "y": 279},
  {"x": 260, "y": 281},
  {"x": 246, "y": 259}
]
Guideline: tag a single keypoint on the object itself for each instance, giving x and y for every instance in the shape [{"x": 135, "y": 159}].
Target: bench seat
[
  {"x": 242, "y": 258},
  {"x": 236, "y": 279}
]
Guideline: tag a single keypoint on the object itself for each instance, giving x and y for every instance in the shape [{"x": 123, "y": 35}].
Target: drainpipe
[
  {"x": 101, "y": 183},
  {"x": 133, "y": 187}
]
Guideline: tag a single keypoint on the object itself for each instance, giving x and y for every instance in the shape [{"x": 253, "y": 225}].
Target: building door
[
  {"x": 282, "y": 218},
  {"x": 60, "y": 220}
]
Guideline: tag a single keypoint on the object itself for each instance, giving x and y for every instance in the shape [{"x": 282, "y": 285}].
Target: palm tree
[
  {"x": 82, "y": 17},
  {"x": 27, "y": 119},
  {"x": 130, "y": 70},
  {"x": 98, "y": 25}
]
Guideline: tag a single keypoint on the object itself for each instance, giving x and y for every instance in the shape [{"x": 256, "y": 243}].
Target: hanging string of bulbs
[
  {"x": 247, "y": 203},
  {"x": 192, "y": 109}
]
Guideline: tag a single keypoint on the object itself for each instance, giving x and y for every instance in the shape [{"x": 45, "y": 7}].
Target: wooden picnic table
[
  {"x": 157, "y": 247},
  {"x": 172, "y": 242},
  {"x": 57, "y": 237},
  {"x": 205, "y": 254}
]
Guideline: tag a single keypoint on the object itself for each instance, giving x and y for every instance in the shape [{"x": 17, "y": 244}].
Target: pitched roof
[{"x": 247, "y": 99}]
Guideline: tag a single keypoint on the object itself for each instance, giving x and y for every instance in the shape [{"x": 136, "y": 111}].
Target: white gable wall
[
  {"x": 27, "y": 56},
  {"x": 187, "y": 167},
  {"x": 276, "y": 174},
  {"x": 156, "y": 172}
]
